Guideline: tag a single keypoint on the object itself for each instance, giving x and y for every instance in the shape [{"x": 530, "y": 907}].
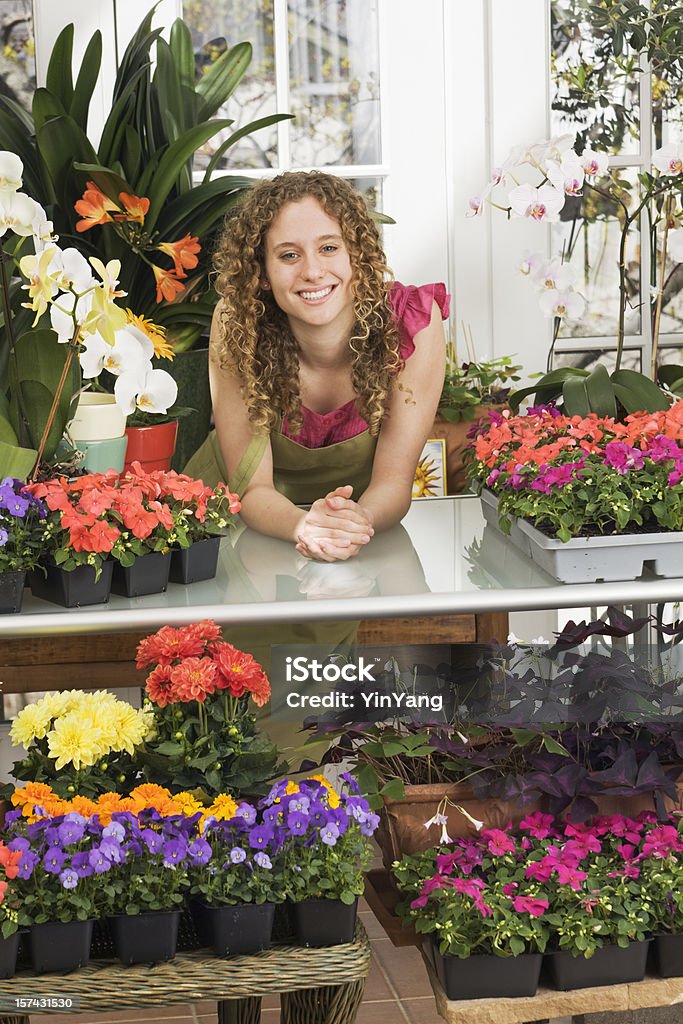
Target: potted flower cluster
[
  {"x": 201, "y": 515},
  {"x": 571, "y": 483},
  {"x": 199, "y": 689},
  {"x": 581, "y": 894},
  {"x": 538, "y": 726},
  {"x": 134, "y": 861},
  {"x": 80, "y": 742},
  {"x": 21, "y": 530},
  {"x": 109, "y": 533}
]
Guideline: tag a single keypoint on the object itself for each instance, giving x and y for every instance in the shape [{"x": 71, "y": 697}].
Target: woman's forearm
[
  {"x": 266, "y": 510},
  {"x": 386, "y": 503}
]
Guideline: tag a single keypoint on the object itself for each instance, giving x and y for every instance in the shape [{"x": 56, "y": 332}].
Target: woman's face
[{"x": 307, "y": 266}]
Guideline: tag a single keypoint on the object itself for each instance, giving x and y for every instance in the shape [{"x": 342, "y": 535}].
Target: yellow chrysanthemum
[
  {"x": 223, "y": 807},
  {"x": 71, "y": 742},
  {"x": 129, "y": 727},
  {"x": 156, "y": 334},
  {"x": 59, "y": 704},
  {"x": 32, "y": 723}
]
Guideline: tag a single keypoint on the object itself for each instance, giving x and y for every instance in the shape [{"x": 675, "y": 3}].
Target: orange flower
[
  {"x": 240, "y": 673},
  {"x": 168, "y": 285},
  {"x": 194, "y": 679},
  {"x": 183, "y": 253},
  {"x": 10, "y": 860},
  {"x": 135, "y": 206},
  {"x": 82, "y": 805},
  {"x": 94, "y": 207},
  {"x": 159, "y": 687}
]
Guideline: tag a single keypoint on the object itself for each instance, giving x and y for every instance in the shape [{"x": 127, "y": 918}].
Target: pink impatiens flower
[{"x": 530, "y": 905}]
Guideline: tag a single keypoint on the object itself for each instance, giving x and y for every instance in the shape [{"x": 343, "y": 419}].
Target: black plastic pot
[
  {"x": 8, "y": 955},
  {"x": 11, "y": 591},
  {"x": 145, "y": 938},
  {"x": 229, "y": 931},
  {"x": 75, "y": 588},
  {"x": 324, "y": 922},
  {"x": 60, "y": 946},
  {"x": 485, "y": 976},
  {"x": 667, "y": 955},
  {"x": 198, "y": 562},
  {"x": 609, "y": 965},
  {"x": 147, "y": 575}
]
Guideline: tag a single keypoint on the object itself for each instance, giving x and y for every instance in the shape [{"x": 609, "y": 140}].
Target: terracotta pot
[
  {"x": 402, "y": 822},
  {"x": 152, "y": 447},
  {"x": 455, "y": 436}
]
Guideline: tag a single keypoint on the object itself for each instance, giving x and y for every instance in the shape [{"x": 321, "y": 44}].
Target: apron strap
[{"x": 249, "y": 463}]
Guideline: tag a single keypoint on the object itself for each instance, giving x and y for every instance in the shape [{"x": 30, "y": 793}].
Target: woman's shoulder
[{"x": 412, "y": 306}]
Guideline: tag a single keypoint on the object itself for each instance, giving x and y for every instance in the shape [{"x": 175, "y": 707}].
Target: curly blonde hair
[{"x": 257, "y": 340}]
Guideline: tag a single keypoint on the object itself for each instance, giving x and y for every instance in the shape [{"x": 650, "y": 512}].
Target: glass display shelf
[{"x": 442, "y": 560}]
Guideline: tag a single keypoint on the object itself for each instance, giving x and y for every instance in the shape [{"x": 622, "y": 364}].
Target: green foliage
[
  {"x": 469, "y": 385},
  {"x": 159, "y": 117},
  {"x": 579, "y": 392}
]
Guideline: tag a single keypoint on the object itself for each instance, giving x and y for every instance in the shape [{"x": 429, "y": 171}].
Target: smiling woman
[{"x": 325, "y": 374}]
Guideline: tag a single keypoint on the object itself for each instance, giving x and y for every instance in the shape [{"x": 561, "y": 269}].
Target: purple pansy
[
  {"x": 69, "y": 878},
  {"x": 263, "y": 860},
  {"x": 237, "y": 855}
]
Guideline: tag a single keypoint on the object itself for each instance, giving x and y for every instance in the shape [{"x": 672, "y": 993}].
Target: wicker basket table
[{"x": 317, "y": 986}]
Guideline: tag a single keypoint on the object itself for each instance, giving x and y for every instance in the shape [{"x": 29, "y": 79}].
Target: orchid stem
[{"x": 73, "y": 345}]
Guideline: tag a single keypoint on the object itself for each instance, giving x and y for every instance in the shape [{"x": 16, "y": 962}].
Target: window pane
[
  {"x": 17, "y": 54},
  {"x": 589, "y": 234},
  {"x": 589, "y": 92},
  {"x": 216, "y": 26},
  {"x": 333, "y": 58},
  {"x": 588, "y": 359},
  {"x": 667, "y": 75}
]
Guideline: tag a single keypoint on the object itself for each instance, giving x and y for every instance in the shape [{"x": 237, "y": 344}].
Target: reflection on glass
[
  {"x": 17, "y": 54},
  {"x": 588, "y": 90},
  {"x": 333, "y": 61},
  {"x": 371, "y": 188},
  {"x": 217, "y": 25},
  {"x": 588, "y": 234}
]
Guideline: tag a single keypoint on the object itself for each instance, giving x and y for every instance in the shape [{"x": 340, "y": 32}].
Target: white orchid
[
  {"x": 539, "y": 153},
  {"x": 155, "y": 393},
  {"x": 41, "y": 286},
  {"x": 567, "y": 175},
  {"x": 475, "y": 206},
  {"x": 540, "y": 204},
  {"x": 531, "y": 262},
  {"x": 565, "y": 303},
  {"x": 70, "y": 270},
  {"x": 11, "y": 170},
  {"x": 129, "y": 353},
  {"x": 68, "y": 311},
  {"x": 553, "y": 274},
  {"x": 669, "y": 159},
  {"x": 593, "y": 164},
  {"x": 675, "y": 245},
  {"x": 19, "y": 213}
]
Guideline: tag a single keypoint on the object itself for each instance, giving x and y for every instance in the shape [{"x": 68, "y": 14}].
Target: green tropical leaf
[
  {"x": 179, "y": 216},
  {"x": 180, "y": 43},
  {"x": 546, "y": 387},
  {"x": 171, "y": 163},
  {"x": 45, "y": 106},
  {"x": 59, "y": 80},
  {"x": 15, "y": 139},
  {"x": 575, "y": 397},
  {"x": 62, "y": 143},
  {"x": 670, "y": 373},
  {"x": 15, "y": 461},
  {"x": 39, "y": 364},
  {"x": 86, "y": 81},
  {"x": 247, "y": 129},
  {"x": 219, "y": 82},
  {"x": 167, "y": 83},
  {"x": 600, "y": 392},
  {"x": 8, "y": 434},
  {"x": 121, "y": 113},
  {"x": 131, "y": 153},
  {"x": 637, "y": 393}
]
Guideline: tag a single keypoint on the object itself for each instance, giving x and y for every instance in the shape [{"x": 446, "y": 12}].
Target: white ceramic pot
[{"x": 97, "y": 418}]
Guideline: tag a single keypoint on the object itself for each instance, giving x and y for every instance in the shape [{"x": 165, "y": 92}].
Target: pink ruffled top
[{"x": 412, "y": 308}]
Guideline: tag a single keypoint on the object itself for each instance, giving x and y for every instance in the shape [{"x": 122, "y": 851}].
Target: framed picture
[{"x": 430, "y": 475}]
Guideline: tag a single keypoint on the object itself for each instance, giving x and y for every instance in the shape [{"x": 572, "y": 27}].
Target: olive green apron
[{"x": 302, "y": 475}]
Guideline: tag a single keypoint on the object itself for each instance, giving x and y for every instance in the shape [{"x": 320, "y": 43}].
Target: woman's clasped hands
[{"x": 335, "y": 527}]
